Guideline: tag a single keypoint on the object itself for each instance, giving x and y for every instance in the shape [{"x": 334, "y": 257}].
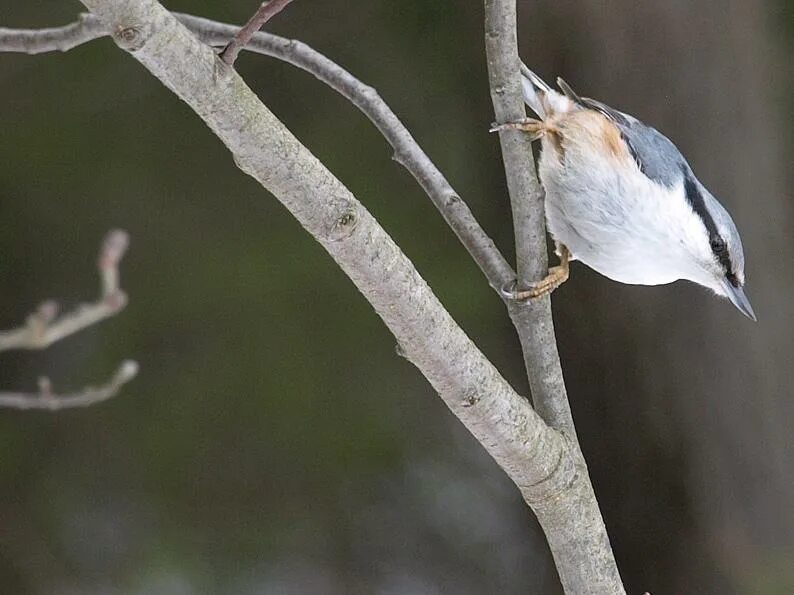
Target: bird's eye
[
  {"x": 732, "y": 279},
  {"x": 717, "y": 244}
]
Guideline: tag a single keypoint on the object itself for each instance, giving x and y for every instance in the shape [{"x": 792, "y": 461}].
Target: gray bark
[{"x": 545, "y": 463}]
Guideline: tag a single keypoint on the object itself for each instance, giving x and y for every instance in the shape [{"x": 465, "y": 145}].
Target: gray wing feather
[{"x": 657, "y": 156}]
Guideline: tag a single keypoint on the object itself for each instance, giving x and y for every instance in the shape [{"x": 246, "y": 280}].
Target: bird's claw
[{"x": 516, "y": 124}]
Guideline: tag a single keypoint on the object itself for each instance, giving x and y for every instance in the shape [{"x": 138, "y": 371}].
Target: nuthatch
[{"x": 622, "y": 199}]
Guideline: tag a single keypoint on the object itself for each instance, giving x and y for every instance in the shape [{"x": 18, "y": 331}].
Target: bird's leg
[
  {"x": 536, "y": 128},
  {"x": 557, "y": 276}
]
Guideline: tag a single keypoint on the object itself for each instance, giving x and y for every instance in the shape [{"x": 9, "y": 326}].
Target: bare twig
[
  {"x": 584, "y": 559},
  {"x": 43, "y": 327},
  {"x": 406, "y": 150},
  {"x": 46, "y": 399},
  {"x": 267, "y": 11},
  {"x": 52, "y": 39},
  {"x": 532, "y": 318}
]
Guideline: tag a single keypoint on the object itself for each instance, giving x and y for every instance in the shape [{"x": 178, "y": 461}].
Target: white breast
[{"x": 616, "y": 220}]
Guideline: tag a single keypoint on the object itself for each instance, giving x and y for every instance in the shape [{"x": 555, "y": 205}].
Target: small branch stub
[
  {"x": 129, "y": 37},
  {"x": 344, "y": 226},
  {"x": 266, "y": 12}
]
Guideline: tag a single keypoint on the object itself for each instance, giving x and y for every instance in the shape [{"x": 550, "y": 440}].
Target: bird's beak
[{"x": 739, "y": 299}]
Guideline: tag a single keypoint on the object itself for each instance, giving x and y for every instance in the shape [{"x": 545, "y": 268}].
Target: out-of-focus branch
[
  {"x": 573, "y": 524},
  {"x": 406, "y": 150},
  {"x": 52, "y": 39},
  {"x": 44, "y": 327},
  {"x": 266, "y": 12},
  {"x": 46, "y": 399}
]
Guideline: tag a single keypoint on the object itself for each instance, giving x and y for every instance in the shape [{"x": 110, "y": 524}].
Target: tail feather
[
  {"x": 542, "y": 99},
  {"x": 534, "y": 91}
]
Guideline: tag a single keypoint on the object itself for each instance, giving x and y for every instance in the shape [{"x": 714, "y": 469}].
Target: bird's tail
[{"x": 542, "y": 99}]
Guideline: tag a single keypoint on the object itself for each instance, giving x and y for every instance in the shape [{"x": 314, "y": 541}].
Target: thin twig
[
  {"x": 49, "y": 401},
  {"x": 584, "y": 560},
  {"x": 53, "y": 39},
  {"x": 407, "y": 151},
  {"x": 43, "y": 327},
  {"x": 532, "y": 318},
  {"x": 267, "y": 11}
]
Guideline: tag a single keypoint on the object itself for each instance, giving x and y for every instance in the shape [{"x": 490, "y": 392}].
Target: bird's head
[{"x": 718, "y": 252}]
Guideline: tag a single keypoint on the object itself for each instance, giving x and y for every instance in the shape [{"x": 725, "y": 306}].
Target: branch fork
[{"x": 44, "y": 327}]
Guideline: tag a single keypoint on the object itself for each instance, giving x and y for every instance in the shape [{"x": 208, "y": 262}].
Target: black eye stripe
[{"x": 718, "y": 245}]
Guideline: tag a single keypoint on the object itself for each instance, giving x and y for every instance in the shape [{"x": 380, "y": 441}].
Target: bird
[{"x": 622, "y": 199}]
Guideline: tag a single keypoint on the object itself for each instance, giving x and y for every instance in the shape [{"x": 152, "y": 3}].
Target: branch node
[
  {"x": 45, "y": 387},
  {"x": 116, "y": 301},
  {"x": 344, "y": 226},
  {"x": 265, "y": 12},
  {"x": 398, "y": 349},
  {"x": 128, "y": 370},
  {"x": 129, "y": 37},
  {"x": 470, "y": 400}
]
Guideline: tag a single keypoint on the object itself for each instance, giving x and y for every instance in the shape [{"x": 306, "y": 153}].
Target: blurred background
[{"x": 273, "y": 441}]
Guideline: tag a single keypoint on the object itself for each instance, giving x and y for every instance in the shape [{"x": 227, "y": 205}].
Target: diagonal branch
[
  {"x": 266, "y": 12},
  {"x": 49, "y": 401},
  {"x": 406, "y": 150},
  {"x": 535, "y": 456},
  {"x": 544, "y": 463},
  {"x": 43, "y": 327}
]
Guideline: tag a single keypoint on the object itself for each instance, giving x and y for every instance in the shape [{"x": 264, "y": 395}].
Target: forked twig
[{"x": 43, "y": 328}]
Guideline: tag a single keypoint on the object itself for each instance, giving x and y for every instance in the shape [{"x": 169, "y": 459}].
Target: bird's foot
[
  {"x": 557, "y": 276},
  {"x": 536, "y": 128}
]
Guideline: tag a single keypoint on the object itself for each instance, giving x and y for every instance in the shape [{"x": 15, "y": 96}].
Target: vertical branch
[
  {"x": 532, "y": 318},
  {"x": 573, "y": 525}
]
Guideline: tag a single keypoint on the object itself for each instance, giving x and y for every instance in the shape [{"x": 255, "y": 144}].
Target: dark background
[{"x": 273, "y": 441}]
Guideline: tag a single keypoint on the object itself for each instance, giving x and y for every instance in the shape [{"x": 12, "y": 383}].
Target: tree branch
[
  {"x": 584, "y": 560},
  {"x": 43, "y": 328},
  {"x": 240, "y": 39},
  {"x": 532, "y": 318},
  {"x": 535, "y": 456},
  {"x": 47, "y": 400},
  {"x": 406, "y": 150},
  {"x": 544, "y": 464}
]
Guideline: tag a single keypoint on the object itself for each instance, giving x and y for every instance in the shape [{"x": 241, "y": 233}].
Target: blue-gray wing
[{"x": 657, "y": 156}]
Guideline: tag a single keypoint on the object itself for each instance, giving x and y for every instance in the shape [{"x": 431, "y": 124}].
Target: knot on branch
[
  {"x": 344, "y": 226},
  {"x": 560, "y": 479},
  {"x": 470, "y": 400},
  {"x": 129, "y": 37}
]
